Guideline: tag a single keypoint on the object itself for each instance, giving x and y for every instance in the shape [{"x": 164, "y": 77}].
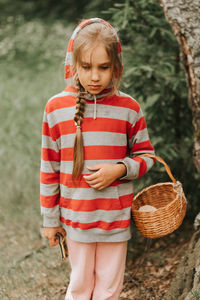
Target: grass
[
  {"x": 24, "y": 262},
  {"x": 27, "y": 264},
  {"x": 23, "y": 101}
]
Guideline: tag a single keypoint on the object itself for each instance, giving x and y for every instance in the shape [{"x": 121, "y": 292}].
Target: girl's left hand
[
  {"x": 105, "y": 175},
  {"x": 50, "y": 234}
]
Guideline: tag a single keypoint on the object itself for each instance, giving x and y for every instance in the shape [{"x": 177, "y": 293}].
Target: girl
[{"x": 93, "y": 140}]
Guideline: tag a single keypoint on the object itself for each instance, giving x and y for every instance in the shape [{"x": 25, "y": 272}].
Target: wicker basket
[{"x": 169, "y": 200}]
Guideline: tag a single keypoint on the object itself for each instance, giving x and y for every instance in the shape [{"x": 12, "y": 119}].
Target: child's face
[{"x": 95, "y": 69}]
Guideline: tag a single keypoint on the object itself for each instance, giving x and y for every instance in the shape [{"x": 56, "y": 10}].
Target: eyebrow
[{"x": 102, "y": 64}]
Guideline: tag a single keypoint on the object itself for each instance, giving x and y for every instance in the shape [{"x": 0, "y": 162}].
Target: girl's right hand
[{"x": 50, "y": 234}]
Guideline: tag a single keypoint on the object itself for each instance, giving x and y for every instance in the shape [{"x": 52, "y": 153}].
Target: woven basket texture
[{"x": 169, "y": 200}]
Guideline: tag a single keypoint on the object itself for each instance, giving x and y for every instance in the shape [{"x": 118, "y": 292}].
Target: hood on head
[{"x": 69, "y": 72}]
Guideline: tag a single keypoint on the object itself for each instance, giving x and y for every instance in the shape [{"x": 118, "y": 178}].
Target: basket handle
[{"x": 167, "y": 168}]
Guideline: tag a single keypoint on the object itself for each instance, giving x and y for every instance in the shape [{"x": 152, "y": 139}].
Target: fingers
[
  {"x": 91, "y": 177},
  {"x": 98, "y": 187},
  {"x": 50, "y": 234},
  {"x": 53, "y": 241},
  {"x": 63, "y": 232},
  {"x": 94, "y": 167},
  {"x": 96, "y": 184},
  {"x": 103, "y": 176},
  {"x": 94, "y": 180}
]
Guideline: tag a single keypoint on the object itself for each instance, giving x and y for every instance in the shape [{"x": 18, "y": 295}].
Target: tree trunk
[
  {"x": 184, "y": 18},
  {"x": 186, "y": 285}
]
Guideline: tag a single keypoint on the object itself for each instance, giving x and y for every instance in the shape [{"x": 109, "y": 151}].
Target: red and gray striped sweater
[{"x": 118, "y": 134}]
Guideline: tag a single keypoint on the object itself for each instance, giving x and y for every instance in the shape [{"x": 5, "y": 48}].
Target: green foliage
[
  {"x": 33, "y": 42},
  {"x": 51, "y": 10},
  {"x": 96, "y": 8},
  {"x": 32, "y": 70},
  {"x": 154, "y": 76},
  {"x": 31, "y": 63},
  {"x": 67, "y": 10}
]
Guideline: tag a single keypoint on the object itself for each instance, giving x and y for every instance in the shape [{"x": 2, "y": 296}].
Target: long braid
[{"x": 78, "y": 161}]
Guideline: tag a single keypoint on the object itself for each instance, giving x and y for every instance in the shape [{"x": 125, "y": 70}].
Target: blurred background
[{"x": 33, "y": 40}]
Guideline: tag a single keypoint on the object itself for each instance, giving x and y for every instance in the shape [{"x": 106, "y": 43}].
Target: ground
[
  {"x": 33, "y": 270},
  {"x": 148, "y": 276}
]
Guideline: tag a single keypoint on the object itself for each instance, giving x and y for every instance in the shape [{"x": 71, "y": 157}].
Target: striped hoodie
[
  {"x": 114, "y": 130},
  {"x": 118, "y": 134}
]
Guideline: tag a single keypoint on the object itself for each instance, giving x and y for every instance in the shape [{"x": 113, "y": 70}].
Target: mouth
[{"x": 95, "y": 87}]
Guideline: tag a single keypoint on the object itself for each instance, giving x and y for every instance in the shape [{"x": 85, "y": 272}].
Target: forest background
[{"x": 33, "y": 39}]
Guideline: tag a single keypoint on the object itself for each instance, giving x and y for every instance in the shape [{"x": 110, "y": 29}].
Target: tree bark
[
  {"x": 184, "y": 18},
  {"x": 186, "y": 285}
]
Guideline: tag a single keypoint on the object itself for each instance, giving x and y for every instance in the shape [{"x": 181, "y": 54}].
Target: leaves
[
  {"x": 33, "y": 42},
  {"x": 155, "y": 77}
]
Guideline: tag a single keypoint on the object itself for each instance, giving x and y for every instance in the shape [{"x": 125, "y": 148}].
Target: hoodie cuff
[
  {"x": 132, "y": 168},
  {"x": 51, "y": 221}
]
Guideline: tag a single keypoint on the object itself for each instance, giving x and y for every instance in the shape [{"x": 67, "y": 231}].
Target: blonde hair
[{"x": 88, "y": 38}]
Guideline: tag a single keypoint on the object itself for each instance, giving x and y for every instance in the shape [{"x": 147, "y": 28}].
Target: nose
[{"x": 95, "y": 75}]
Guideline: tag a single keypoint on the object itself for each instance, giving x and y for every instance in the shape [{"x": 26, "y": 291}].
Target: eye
[
  {"x": 105, "y": 67},
  {"x": 85, "y": 67}
]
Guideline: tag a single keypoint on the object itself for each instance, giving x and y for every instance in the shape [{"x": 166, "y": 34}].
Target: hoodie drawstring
[{"x": 95, "y": 107}]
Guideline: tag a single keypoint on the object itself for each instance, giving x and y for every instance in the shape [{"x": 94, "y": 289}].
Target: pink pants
[{"x": 97, "y": 270}]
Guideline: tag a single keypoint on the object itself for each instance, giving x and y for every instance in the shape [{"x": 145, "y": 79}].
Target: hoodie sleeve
[
  {"x": 49, "y": 176},
  {"x": 138, "y": 144}
]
